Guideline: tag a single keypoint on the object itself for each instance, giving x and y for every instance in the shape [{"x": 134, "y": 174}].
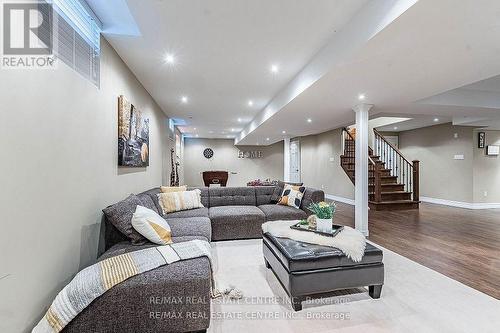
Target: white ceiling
[
  {"x": 406, "y": 124},
  {"x": 432, "y": 47},
  {"x": 223, "y": 51},
  {"x": 491, "y": 84},
  {"x": 404, "y": 55}
]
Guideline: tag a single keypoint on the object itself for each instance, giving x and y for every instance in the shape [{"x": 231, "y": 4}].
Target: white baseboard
[
  {"x": 340, "y": 199},
  {"x": 460, "y": 204}
]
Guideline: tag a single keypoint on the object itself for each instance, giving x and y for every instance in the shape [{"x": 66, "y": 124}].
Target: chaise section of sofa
[{"x": 170, "y": 298}]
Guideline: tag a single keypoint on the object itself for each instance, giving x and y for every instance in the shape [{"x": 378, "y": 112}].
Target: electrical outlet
[
  {"x": 332, "y": 159},
  {"x": 322, "y": 186},
  {"x": 455, "y": 135},
  {"x": 485, "y": 193}
]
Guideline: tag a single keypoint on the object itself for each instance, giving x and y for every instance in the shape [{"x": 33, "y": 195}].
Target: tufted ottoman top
[{"x": 298, "y": 256}]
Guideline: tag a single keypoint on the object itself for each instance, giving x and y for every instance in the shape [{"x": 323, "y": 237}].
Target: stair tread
[{"x": 392, "y": 202}]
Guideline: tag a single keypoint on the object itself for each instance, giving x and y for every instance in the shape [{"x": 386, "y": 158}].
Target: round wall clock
[{"x": 208, "y": 153}]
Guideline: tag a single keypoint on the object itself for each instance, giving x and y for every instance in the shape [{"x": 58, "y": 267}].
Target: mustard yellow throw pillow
[
  {"x": 169, "y": 189},
  {"x": 177, "y": 201},
  {"x": 151, "y": 225}
]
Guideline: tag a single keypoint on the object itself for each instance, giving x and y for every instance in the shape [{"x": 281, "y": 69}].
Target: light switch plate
[
  {"x": 332, "y": 159},
  {"x": 459, "y": 157}
]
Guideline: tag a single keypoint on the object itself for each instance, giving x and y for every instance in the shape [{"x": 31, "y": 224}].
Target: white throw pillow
[{"x": 151, "y": 225}]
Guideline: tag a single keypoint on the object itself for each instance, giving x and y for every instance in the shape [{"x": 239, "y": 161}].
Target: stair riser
[
  {"x": 393, "y": 196},
  {"x": 389, "y": 188},
  {"x": 347, "y": 162},
  {"x": 384, "y": 180},
  {"x": 371, "y": 172}
]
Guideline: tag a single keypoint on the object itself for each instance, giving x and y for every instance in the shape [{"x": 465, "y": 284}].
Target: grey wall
[
  {"x": 441, "y": 176},
  {"x": 316, "y": 168},
  {"x": 226, "y": 159},
  {"x": 486, "y": 170},
  {"x": 58, "y": 170}
]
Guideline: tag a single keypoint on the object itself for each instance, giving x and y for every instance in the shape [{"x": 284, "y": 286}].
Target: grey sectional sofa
[{"x": 176, "y": 297}]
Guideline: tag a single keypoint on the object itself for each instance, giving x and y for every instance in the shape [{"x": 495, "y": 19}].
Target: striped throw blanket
[{"x": 95, "y": 280}]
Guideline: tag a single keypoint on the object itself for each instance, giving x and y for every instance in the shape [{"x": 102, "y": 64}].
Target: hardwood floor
[{"x": 460, "y": 243}]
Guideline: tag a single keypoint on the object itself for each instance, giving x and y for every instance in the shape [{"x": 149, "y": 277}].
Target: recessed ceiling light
[
  {"x": 197, "y": 135},
  {"x": 232, "y": 129},
  {"x": 436, "y": 120},
  {"x": 194, "y": 128},
  {"x": 239, "y": 120},
  {"x": 395, "y": 127},
  {"x": 250, "y": 103},
  {"x": 211, "y": 132},
  {"x": 228, "y": 136},
  {"x": 267, "y": 139},
  {"x": 283, "y": 132},
  {"x": 275, "y": 69},
  {"x": 170, "y": 59},
  {"x": 309, "y": 120},
  {"x": 361, "y": 97},
  {"x": 184, "y": 99}
]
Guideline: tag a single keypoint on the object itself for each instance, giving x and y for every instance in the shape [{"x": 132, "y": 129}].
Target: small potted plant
[{"x": 324, "y": 212}]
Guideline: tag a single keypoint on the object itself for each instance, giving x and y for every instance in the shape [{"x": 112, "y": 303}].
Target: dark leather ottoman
[{"x": 311, "y": 271}]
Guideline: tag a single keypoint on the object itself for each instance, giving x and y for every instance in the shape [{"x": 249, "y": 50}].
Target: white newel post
[
  {"x": 361, "y": 168},
  {"x": 286, "y": 159}
]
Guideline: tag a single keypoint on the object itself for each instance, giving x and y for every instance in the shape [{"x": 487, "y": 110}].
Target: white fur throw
[{"x": 349, "y": 240}]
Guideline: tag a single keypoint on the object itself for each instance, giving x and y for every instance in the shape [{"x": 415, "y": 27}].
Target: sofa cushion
[
  {"x": 190, "y": 226},
  {"x": 127, "y": 307},
  {"x": 197, "y": 212},
  {"x": 147, "y": 201},
  {"x": 204, "y": 195},
  {"x": 151, "y": 225},
  {"x": 280, "y": 212},
  {"x": 278, "y": 190},
  {"x": 153, "y": 194},
  {"x": 232, "y": 196},
  {"x": 292, "y": 196},
  {"x": 120, "y": 215},
  {"x": 236, "y": 222},
  {"x": 311, "y": 195},
  {"x": 263, "y": 194},
  {"x": 168, "y": 189},
  {"x": 176, "y": 201}
]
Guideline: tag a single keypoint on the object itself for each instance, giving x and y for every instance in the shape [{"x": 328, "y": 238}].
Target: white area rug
[{"x": 414, "y": 299}]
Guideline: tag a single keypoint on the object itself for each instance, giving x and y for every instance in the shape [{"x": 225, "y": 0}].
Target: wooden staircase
[{"x": 392, "y": 180}]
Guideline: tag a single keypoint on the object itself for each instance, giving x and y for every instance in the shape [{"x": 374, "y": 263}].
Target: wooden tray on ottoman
[{"x": 305, "y": 227}]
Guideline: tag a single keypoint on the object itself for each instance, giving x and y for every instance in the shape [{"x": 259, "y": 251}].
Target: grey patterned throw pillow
[{"x": 120, "y": 215}]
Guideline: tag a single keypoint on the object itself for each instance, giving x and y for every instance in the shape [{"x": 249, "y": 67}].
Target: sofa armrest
[{"x": 311, "y": 195}]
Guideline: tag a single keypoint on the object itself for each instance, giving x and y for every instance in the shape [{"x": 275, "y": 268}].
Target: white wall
[
  {"x": 486, "y": 170},
  {"x": 441, "y": 176},
  {"x": 226, "y": 159},
  {"x": 58, "y": 170},
  {"x": 318, "y": 170}
]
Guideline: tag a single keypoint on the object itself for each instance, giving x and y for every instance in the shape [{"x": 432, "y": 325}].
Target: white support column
[
  {"x": 286, "y": 159},
  {"x": 361, "y": 168}
]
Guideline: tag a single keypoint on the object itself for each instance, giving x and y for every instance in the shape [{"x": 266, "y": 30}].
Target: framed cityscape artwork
[{"x": 133, "y": 135}]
